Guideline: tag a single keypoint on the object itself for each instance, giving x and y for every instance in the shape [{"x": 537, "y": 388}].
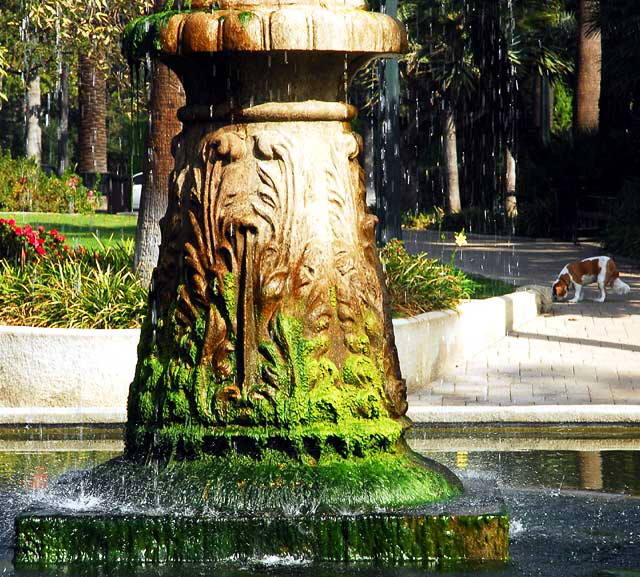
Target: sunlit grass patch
[{"x": 81, "y": 229}]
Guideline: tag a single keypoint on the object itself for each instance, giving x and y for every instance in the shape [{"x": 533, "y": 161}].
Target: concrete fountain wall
[
  {"x": 83, "y": 376},
  {"x": 65, "y": 375}
]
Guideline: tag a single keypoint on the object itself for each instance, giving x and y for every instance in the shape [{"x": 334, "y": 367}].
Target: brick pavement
[{"x": 577, "y": 354}]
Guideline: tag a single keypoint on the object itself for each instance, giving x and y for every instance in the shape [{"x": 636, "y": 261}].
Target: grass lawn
[
  {"x": 488, "y": 287},
  {"x": 79, "y": 229}
]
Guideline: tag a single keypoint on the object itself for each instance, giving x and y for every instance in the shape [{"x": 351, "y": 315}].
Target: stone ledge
[
  {"x": 433, "y": 343},
  {"x": 83, "y": 375},
  {"x": 65, "y": 370},
  {"x": 548, "y": 414},
  {"x": 64, "y": 415},
  {"x": 293, "y": 27}
]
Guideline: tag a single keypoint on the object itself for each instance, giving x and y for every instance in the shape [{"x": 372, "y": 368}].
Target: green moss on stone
[
  {"x": 333, "y": 297},
  {"x": 142, "y": 35},
  {"x": 384, "y": 539},
  {"x": 229, "y": 294},
  {"x": 146, "y": 406},
  {"x": 360, "y": 371},
  {"x": 297, "y": 389}
]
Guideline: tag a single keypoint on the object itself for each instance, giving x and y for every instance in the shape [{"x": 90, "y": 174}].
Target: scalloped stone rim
[{"x": 302, "y": 28}]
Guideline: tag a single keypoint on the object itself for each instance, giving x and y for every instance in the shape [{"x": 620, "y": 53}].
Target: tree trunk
[
  {"x": 63, "y": 128},
  {"x": 167, "y": 96},
  {"x": 588, "y": 72},
  {"x": 34, "y": 132},
  {"x": 510, "y": 204},
  {"x": 450, "y": 151},
  {"x": 92, "y": 132},
  {"x": 543, "y": 108}
]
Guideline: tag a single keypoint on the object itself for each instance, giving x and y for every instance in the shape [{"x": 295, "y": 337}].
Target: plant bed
[
  {"x": 419, "y": 284},
  {"x": 46, "y": 283}
]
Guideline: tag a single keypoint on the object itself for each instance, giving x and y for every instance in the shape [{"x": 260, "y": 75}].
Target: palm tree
[
  {"x": 92, "y": 128},
  {"x": 543, "y": 32},
  {"x": 34, "y": 131},
  {"x": 537, "y": 40},
  {"x": 439, "y": 36},
  {"x": 588, "y": 70},
  {"x": 166, "y": 97}
]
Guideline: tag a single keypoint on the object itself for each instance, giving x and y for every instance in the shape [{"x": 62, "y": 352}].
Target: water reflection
[{"x": 603, "y": 459}]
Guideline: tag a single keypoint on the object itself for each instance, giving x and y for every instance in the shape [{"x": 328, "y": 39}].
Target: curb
[
  {"x": 73, "y": 370},
  {"x": 61, "y": 416},
  {"x": 431, "y": 344},
  {"x": 564, "y": 414}
]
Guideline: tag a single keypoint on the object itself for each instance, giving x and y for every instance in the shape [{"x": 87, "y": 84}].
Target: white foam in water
[
  {"x": 82, "y": 503},
  {"x": 275, "y": 560},
  {"x": 515, "y": 527}
]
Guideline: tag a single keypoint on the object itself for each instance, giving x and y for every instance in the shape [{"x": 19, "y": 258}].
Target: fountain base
[
  {"x": 383, "y": 538},
  {"x": 381, "y": 509}
]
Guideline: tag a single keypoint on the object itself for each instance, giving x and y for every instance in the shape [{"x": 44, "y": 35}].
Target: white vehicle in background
[{"x": 136, "y": 190}]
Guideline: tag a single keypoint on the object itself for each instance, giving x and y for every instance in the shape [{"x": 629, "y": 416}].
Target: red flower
[
  {"x": 40, "y": 250},
  {"x": 53, "y": 232},
  {"x": 12, "y": 222}
]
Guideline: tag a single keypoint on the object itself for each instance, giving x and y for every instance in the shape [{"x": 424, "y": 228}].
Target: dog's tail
[{"x": 620, "y": 287}]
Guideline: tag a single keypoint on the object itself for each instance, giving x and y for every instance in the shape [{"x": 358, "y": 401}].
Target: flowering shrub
[
  {"x": 22, "y": 244},
  {"x": 25, "y": 187},
  {"x": 85, "y": 289}
]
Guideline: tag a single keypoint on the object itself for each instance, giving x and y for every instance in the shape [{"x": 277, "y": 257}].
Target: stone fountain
[{"x": 267, "y": 411}]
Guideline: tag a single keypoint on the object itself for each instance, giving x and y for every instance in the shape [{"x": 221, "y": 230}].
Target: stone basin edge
[{"x": 82, "y": 376}]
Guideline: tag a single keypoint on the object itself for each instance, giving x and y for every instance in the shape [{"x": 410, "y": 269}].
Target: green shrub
[
  {"x": 81, "y": 289},
  {"x": 419, "y": 284},
  {"x": 622, "y": 234},
  {"x": 423, "y": 220},
  {"x": 562, "y": 108},
  {"x": 473, "y": 219},
  {"x": 25, "y": 187}
]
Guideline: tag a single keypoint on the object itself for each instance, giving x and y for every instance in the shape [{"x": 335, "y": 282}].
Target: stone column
[{"x": 267, "y": 325}]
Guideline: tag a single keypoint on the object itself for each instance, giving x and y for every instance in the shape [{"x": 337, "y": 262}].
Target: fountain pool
[{"x": 573, "y": 496}]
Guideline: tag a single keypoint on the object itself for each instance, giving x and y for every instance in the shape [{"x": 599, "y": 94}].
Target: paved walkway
[{"x": 578, "y": 354}]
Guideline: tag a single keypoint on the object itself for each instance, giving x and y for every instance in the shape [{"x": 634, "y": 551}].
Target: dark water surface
[{"x": 573, "y": 496}]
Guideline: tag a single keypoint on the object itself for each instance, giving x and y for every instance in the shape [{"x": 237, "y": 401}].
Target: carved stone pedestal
[{"x": 267, "y": 327}]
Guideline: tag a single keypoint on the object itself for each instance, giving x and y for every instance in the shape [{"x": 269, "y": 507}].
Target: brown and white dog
[{"x": 580, "y": 273}]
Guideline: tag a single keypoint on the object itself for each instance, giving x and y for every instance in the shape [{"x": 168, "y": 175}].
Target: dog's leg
[
  {"x": 603, "y": 294},
  {"x": 578, "y": 296},
  {"x": 620, "y": 287}
]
